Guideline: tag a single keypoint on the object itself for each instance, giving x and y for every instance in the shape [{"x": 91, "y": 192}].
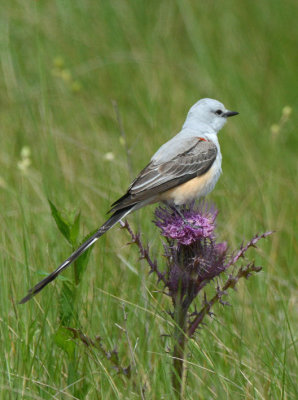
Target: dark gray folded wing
[{"x": 157, "y": 178}]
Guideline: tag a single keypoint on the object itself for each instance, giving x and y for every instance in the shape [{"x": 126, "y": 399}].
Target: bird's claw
[{"x": 194, "y": 226}]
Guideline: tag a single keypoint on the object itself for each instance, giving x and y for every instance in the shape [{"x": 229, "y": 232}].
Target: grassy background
[{"x": 63, "y": 63}]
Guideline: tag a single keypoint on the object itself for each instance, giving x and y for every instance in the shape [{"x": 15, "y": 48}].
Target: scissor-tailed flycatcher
[{"x": 183, "y": 169}]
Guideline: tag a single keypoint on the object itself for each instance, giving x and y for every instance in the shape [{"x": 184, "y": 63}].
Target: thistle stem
[{"x": 180, "y": 340}]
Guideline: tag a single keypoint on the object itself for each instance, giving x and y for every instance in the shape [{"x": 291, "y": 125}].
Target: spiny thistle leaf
[{"x": 243, "y": 249}]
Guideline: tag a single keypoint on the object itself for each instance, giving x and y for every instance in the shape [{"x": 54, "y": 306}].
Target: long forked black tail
[{"x": 117, "y": 216}]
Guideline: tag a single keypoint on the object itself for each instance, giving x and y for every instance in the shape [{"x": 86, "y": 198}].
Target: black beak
[{"x": 230, "y": 113}]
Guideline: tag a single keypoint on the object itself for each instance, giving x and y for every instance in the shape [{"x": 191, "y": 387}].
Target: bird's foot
[
  {"x": 185, "y": 222},
  {"x": 193, "y": 226}
]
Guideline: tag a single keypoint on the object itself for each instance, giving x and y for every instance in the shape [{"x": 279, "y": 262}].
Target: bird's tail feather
[{"x": 117, "y": 216}]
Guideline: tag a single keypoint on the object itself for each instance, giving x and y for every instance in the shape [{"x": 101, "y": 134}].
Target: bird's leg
[{"x": 178, "y": 211}]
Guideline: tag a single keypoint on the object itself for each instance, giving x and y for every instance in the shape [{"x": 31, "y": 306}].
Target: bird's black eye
[{"x": 218, "y": 112}]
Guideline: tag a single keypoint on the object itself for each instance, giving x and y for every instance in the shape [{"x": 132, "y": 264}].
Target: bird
[{"x": 183, "y": 169}]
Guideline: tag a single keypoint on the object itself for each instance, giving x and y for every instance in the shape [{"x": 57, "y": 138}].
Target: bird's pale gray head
[{"x": 208, "y": 112}]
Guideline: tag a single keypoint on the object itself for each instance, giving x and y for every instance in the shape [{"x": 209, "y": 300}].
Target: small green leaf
[
  {"x": 63, "y": 339},
  {"x": 75, "y": 229},
  {"x": 66, "y": 303},
  {"x": 81, "y": 263},
  {"x": 62, "y": 224}
]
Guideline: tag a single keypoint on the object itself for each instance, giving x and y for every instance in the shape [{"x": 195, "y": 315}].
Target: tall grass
[{"x": 63, "y": 64}]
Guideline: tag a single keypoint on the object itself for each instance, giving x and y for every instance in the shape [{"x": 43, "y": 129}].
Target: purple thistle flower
[
  {"x": 193, "y": 256},
  {"x": 198, "y": 222}
]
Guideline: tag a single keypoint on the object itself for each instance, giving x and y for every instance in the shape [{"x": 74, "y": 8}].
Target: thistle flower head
[
  {"x": 198, "y": 222},
  {"x": 193, "y": 256}
]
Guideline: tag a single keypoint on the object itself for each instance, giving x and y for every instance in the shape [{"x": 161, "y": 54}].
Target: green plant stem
[{"x": 180, "y": 339}]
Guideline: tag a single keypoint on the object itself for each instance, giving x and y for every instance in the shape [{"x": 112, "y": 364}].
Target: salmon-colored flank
[{"x": 188, "y": 190}]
